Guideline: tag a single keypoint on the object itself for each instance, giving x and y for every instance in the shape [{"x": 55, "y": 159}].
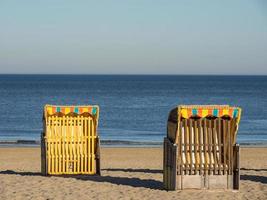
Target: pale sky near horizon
[{"x": 133, "y": 37}]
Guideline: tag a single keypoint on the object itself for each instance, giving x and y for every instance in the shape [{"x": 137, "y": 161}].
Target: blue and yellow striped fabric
[
  {"x": 52, "y": 109},
  {"x": 204, "y": 111}
]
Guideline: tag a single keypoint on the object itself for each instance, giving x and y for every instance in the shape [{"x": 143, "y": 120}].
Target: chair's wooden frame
[
  {"x": 69, "y": 142},
  {"x": 201, "y": 152}
]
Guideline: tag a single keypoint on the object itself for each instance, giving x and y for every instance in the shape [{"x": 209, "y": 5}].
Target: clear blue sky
[{"x": 133, "y": 37}]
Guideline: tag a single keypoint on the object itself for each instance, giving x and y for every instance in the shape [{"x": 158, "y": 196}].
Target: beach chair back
[
  {"x": 69, "y": 141},
  {"x": 201, "y": 148}
]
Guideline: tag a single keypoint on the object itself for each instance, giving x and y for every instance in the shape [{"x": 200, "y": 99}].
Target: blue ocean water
[{"x": 133, "y": 108}]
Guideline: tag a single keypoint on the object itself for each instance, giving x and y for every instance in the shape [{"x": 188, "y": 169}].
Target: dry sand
[{"x": 127, "y": 173}]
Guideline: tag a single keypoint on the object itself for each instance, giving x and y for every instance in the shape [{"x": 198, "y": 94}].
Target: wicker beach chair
[
  {"x": 200, "y": 149},
  {"x": 69, "y": 141}
]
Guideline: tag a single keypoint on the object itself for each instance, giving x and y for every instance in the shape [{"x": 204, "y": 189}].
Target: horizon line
[{"x": 133, "y": 74}]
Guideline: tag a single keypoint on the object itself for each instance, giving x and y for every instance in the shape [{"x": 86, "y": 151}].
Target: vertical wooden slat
[
  {"x": 42, "y": 151},
  {"x": 47, "y": 129},
  {"x": 63, "y": 144},
  {"x": 220, "y": 144},
  {"x": 52, "y": 146},
  {"x": 179, "y": 151},
  {"x": 214, "y": 132},
  {"x": 43, "y": 148},
  {"x": 224, "y": 147},
  {"x": 64, "y": 129},
  {"x": 94, "y": 149},
  {"x": 196, "y": 146},
  {"x": 75, "y": 145},
  {"x": 181, "y": 148},
  {"x": 236, "y": 174},
  {"x": 233, "y": 140},
  {"x": 59, "y": 146},
  {"x": 63, "y": 137},
  {"x": 205, "y": 146},
  {"x": 169, "y": 162},
  {"x": 189, "y": 123},
  {"x": 165, "y": 164},
  {"x": 200, "y": 140},
  {"x": 183, "y": 151},
  {"x": 73, "y": 127},
  {"x": 86, "y": 145},
  {"x": 210, "y": 146},
  {"x": 70, "y": 166},
  {"x": 93, "y": 146},
  {"x": 98, "y": 162},
  {"x": 174, "y": 166},
  {"x": 168, "y": 166},
  {"x": 74, "y": 150},
  {"x": 89, "y": 145},
  {"x": 48, "y": 146},
  {"x": 56, "y": 144},
  {"x": 78, "y": 145},
  {"x": 186, "y": 146},
  {"x": 233, "y": 130},
  {"x": 82, "y": 145},
  {"x": 229, "y": 148},
  {"x": 193, "y": 135},
  {"x": 67, "y": 143}
]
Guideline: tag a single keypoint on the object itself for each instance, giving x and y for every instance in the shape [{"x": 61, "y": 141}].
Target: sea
[{"x": 133, "y": 108}]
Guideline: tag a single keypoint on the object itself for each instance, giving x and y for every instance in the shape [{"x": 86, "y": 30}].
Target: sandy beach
[{"x": 127, "y": 173}]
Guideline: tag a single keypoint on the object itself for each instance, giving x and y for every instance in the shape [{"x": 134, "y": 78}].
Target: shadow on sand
[
  {"x": 21, "y": 173},
  {"x": 255, "y": 178},
  {"x": 152, "y": 171},
  {"x": 134, "y": 182},
  {"x": 257, "y": 170}
]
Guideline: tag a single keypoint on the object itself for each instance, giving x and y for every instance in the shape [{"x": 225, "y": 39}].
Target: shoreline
[
  {"x": 121, "y": 147},
  {"x": 113, "y": 144}
]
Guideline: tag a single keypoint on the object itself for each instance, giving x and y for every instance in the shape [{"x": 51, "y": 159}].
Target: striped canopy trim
[
  {"x": 50, "y": 109},
  {"x": 204, "y": 111}
]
